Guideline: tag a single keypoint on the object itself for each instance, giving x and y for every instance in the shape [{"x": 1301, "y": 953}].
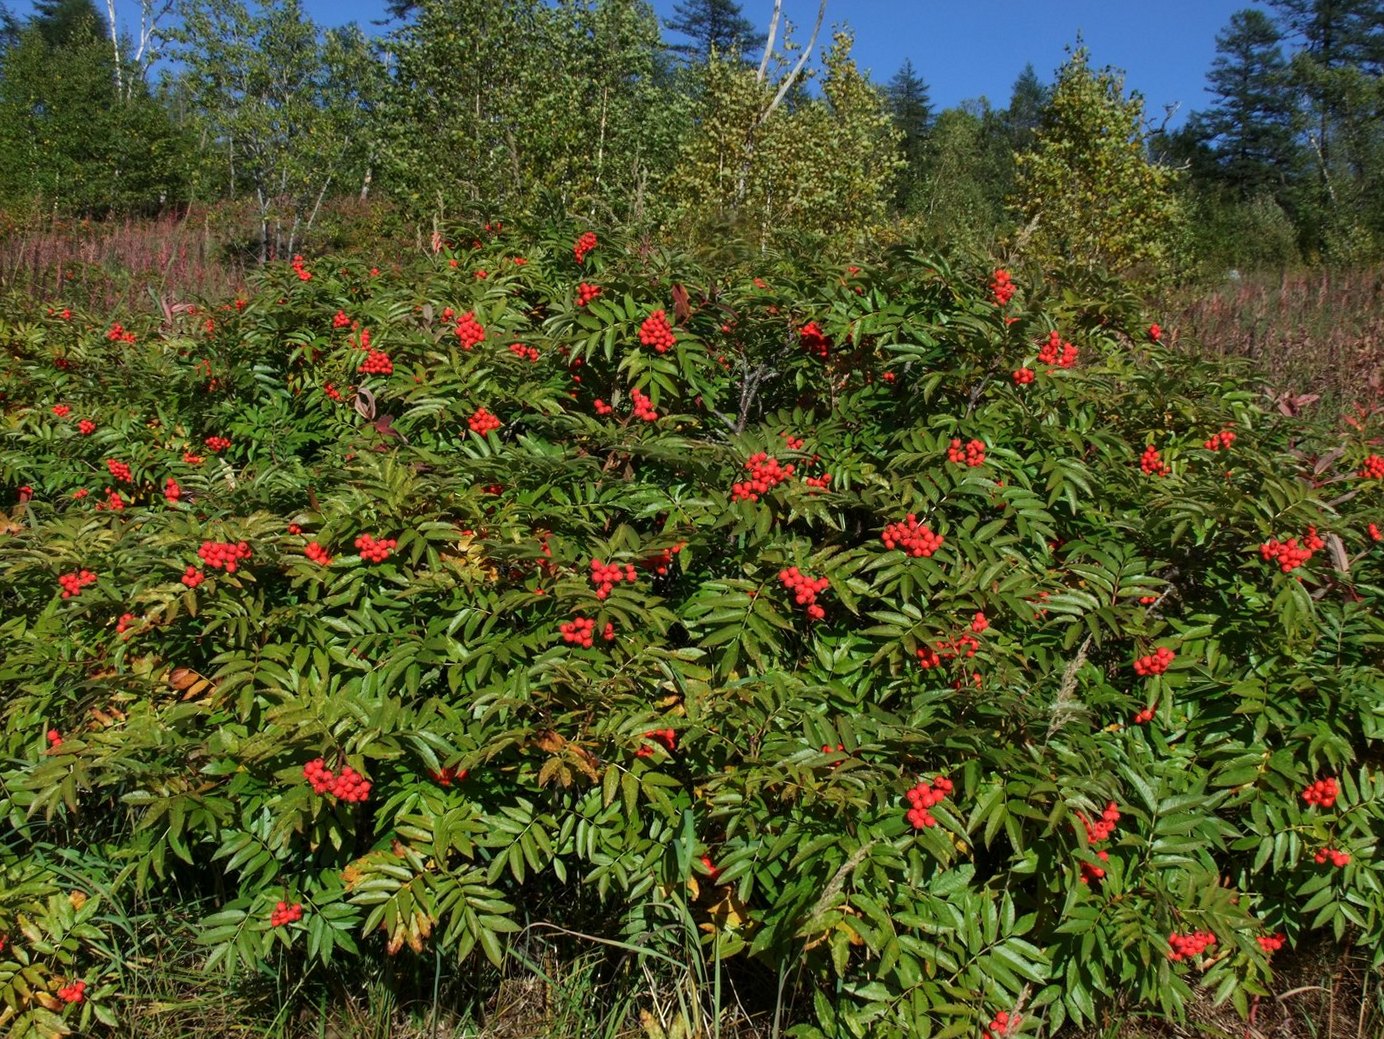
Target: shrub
[{"x": 952, "y": 745}]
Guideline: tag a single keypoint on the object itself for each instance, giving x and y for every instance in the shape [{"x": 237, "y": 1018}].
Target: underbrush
[{"x": 773, "y": 648}]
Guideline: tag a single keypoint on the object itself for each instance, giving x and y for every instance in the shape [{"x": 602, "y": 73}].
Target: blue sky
[{"x": 968, "y": 49}]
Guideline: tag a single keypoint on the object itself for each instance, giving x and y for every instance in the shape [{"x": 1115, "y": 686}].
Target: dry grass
[{"x": 1315, "y": 332}]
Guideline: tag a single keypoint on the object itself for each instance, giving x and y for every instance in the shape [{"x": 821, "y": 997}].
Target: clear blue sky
[{"x": 970, "y": 48}]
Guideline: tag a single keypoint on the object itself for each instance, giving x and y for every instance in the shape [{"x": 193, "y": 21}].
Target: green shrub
[{"x": 731, "y": 756}]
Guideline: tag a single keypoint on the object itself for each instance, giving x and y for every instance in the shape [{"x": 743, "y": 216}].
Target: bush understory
[{"x": 558, "y": 635}]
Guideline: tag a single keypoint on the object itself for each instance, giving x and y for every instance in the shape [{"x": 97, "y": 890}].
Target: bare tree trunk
[
  {"x": 769, "y": 42},
  {"x": 115, "y": 47}
]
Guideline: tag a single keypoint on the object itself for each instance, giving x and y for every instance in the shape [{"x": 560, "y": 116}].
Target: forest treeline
[{"x": 695, "y": 124}]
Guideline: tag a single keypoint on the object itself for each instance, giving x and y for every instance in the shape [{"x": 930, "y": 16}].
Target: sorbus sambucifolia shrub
[
  {"x": 766, "y": 473},
  {"x": 483, "y": 423},
  {"x": 285, "y": 914},
  {"x": 1001, "y": 287},
  {"x": 223, "y": 555},
  {"x": 1155, "y": 663},
  {"x": 72, "y": 584},
  {"x": 924, "y": 796},
  {"x": 469, "y": 331},
  {"x": 374, "y": 550},
  {"x": 656, "y": 332},
  {"x": 917, "y": 539},
  {"x": 805, "y": 590}
]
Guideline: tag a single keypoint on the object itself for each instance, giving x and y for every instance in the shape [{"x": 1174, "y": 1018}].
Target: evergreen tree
[
  {"x": 911, "y": 109},
  {"x": 1027, "y": 99},
  {"x": 1250, "y": 121},
  {"x": 712, "y": 24}
]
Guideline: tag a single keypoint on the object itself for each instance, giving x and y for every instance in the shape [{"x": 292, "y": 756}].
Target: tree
[
  {"x": 1250, "y": 121},
  {"x": 711, "y": 25},
  {"x": 911, "y": 109},
  {"x": 1088, "y": 192},
  {"x": 1027, "y": 99}
]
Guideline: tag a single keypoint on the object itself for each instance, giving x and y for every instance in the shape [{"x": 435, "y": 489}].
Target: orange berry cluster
[
  {"x": 123, "y": 624},
  {"x": 818, "y": 483},
  {"x": 118, "y": 334},
  {"x": 922, "y": 797},
  {"x": 805, "y": 589},
  {"x": 61, "y": 410},
  {"x": 814, "y": 341},
  {"x": 584, "y": 245},
  {"x": 602, "y": 408},
  {"x": 216, "y": 444},
  {"x": 606, "y": 576},
  {"x": 1187, "y": 946},
  {"x": 340, "y": 320},
  {"x": 348, "y": 785},
  {"x": 1024, "y": 376},
  {"x": 1289, "y": 555},
  {"x": 579, "y": 631},
  {"x": 667, "y": 737},
  {"x": 980, "y": 622},
  {"x": 86, "y": 427},
  {"x": 1270, "y": 943},
  {"x": 765, "y": 474},
  {"x": 483, "y": 422},
  {"x": 1143, "y": 717},
  {"x": 172, "y": 491},
  {"x": 317, "y": 554},
  {"x": 1220, "y": 441},
  {"x": 791, "y": 442},
  {"x": 448, "y": 775},
  {"x": 656, "y": 332},
  {"x": 1155, "y": 663},
  {"x": 643, "y": 406},
  {"x": 54, "y": 738},
  {"x": 190, "y": 459},
  {"x": 73, "y": 993},
  {"x": 586, "y": 292},
  {"x": 972, "y": 454},
  {"x": 72, "y": 584},
  {"x": 285, "y": 914},
  {"x": 373, "y": 551},
  {"x": 1322, "y": 793},
  {"x": 524, "y": 353},
  {"x": 376, "y": 362},
  {"x": 917, "y": 539},
  {"x": 469, "y": 331},
  {"x": 1001, "y": 1025},
  {"x": 664, "y": 559},
  {"x": 1374, "y": 532},
  {"x": 119, "y": 470},
  {"x": 1098, "y": 833},
  {"x": 1155, "y": 333},
  {"x": 223, "y": 555},
  {"x": 1339, "y": 859},
  {"x": 1001, "y": 287},
  {"x": 300, "y": 269},
  {"x": 192, "y": 577},
  {"x": 1373, "y": 469},
  {"x": 1152, "y": 462},
  {"x": 1057, "y": 351}
]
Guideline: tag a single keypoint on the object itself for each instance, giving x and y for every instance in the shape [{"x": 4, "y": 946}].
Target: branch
[
  {"x": 769, "y": 43},
  {"x": 787, "y": 84}
]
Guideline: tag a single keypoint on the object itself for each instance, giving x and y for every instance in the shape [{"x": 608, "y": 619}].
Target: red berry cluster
[
  {"x": 1152, "y": 462},
  {"x": 602, "y": 408},
  {"x": 1373, "y": 469},
  {"x": 317, "y": 554},
  {"x": 300, "y": 268},
  {"x": 86, "y": 427},
  {"x": 793, "y": 443},
  {"x": 483, "y": 422},
  {"x": 469, "y": 330},
  {"x": 1155, "y": 333},
  {"x": 448, "y": 775},
  {"x": 1001, "y": 1025},
  {"x": 172, "y": 491},
  {"x": 190, "y": 459},
  {"x": 1187, "y": 946},
  {"x": 917, "y": 539},
  {"x": 341, "y": 320},
  {"x": 1220, "y": 441},
  {"x": 72, "y": 584},
  {"x": 1102, "y": 828},
  {"x": 972, "y": 453},
  {"x": 1339, "y": 859},
  {"x": 643, "y": 407},
  {"x": 818, "y": 483},
  {"x": 667, "y": 737},
  {"x": 1270, "y": 943},
  {"x": 331, "y": 391},
  {"x": 223, "y": 555},
  {"x": 376, "y": 362},
  {"x": 119, "y": 470},
  {"x": 373, "y": 551},
  {"x": 61, "y": 410},
  {"x": 216, "y": 444},
  {"x": 712, "y": 870},
  {"x": 606, "y": 576},
  {"x": 664, "y": 559},
  {"x": 805, "y": 589},
  {"x": 584, "y": 245},
  {"x": 1155, "y": 663},
  {"x": 285, "y": 914},
  {"x": 54, "y": 738},
  {"x": 656, "y": 332},
  {"x": 924, "y": 796},
  {"x": 1001, "y": 287},
  {"x": 192, "y": 577},
  {"x": 1374, "y": 532},
  {"x": 814, "y": 341},
  {"x": 1322, "y": 793},
  {"x": 73, "y": 993},
  {"x": 348, "y": 785},
  {"x": 1143, "y": 717},
  {"x": 1289, "y": 555},
  {"x": 579, "y": 631},
  {"x": 1024, "y": 376},
  {"x": 586, "y": 292},
  {"x": 123, "y": 624},
  {"x": 524, "y": 353},
  {"x": 1057, "y": 351},
  {"x": 118, "y": 334},
  {"x": 765, "y": 474}
]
